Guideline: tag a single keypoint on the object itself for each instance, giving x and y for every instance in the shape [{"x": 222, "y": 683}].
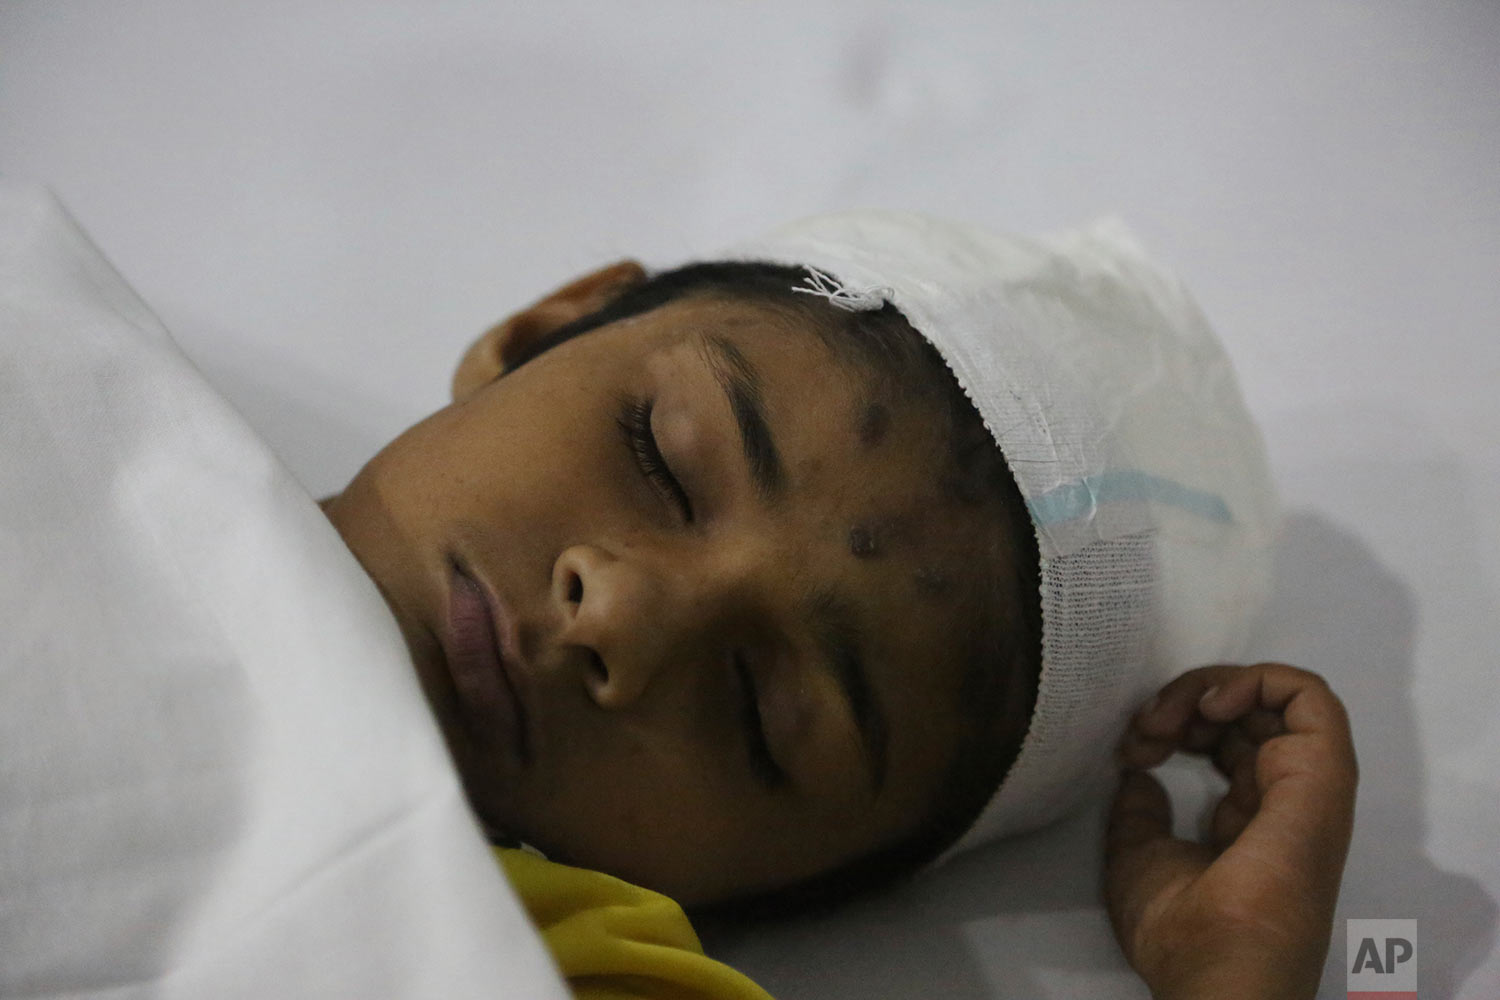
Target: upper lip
[{"x": 507, "y": 651}]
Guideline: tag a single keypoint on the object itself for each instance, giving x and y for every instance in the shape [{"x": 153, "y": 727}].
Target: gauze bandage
[{"x": 1118, "y": 414}]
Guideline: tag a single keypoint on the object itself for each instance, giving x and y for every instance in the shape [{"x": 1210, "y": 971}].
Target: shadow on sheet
[{"x": 1340, "y": 609}]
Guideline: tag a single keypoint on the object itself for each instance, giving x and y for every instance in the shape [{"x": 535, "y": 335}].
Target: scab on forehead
[
  {"x": 932, "y": 583},
  {"x": 873, "y": 422},
  {"x": 873, "y": 536},
  {"x": 863, "y": 542}
]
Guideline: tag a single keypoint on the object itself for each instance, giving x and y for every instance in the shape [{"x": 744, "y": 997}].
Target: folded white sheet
[{"x": 217, "y": 774}]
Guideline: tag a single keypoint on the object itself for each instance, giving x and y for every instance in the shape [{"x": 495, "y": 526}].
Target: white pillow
[{"x": 217, "y": 774}]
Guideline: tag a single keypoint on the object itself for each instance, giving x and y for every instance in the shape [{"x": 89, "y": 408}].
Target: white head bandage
[{"x": 1118, "y": 414}]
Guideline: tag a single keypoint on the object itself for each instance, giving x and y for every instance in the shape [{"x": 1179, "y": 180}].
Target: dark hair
[{"x": 1003, "y": 658}]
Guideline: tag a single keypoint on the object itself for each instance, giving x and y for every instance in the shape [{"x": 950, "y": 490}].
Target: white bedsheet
[
  {"x": 325, "y": 201},
  {"x": 218, "y": 777}
]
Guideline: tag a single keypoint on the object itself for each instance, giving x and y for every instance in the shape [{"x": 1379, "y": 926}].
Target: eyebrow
[
  {"x": 741, "y": 384},
  {"x": 840, "y": 639}
]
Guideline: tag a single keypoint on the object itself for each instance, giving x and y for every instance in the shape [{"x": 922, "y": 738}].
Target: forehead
[{"x": 865, "y": 458}]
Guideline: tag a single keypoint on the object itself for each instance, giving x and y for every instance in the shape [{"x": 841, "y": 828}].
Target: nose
[{"x": 632, "y": 621}]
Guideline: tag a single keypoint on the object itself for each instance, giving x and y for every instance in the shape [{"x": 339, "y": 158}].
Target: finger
[
  {"x": 1233, "y": 748},
  {"x": 1202, "y": 736},
  {"x": 1143, "y": 863},
  {"x": 1307, "y": 785},
  {"x": 1189, "y": 713},
  {"x": 1260, "y": 724},
  {"x": 1239, "y": 805},
  {"x": 1167, "y": 714},
  {"x": 1314, "y": 726},
  {"x": 1270, "y": 700},
  {"x": 1229, "y": 821},
  {"x": 1244, "y": 791},
  {"x": 1301, "y": 698},
  {"x": 1160, "y": 728},
  {"x": 1304, "y": 725},
  {"x": 1140, "y": 814},
  {"x": 1305, "y": 776}
]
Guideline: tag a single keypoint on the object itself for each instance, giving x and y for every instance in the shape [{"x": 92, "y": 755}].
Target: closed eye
[
  {"x": 635, "y": 423},
  {"x": 762, "y": 762}
]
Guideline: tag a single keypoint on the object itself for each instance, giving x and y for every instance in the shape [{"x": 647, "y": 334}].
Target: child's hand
[{"x": 1250, "y": 914}]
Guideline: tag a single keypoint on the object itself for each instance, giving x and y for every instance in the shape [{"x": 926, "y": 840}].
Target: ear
[{"x": 493, "y": 353}]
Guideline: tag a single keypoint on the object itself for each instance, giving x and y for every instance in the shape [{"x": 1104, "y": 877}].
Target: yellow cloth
[{"x": 616, "y": 941}]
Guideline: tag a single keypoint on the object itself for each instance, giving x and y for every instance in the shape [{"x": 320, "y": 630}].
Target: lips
[{"x": 479, "y": 644}]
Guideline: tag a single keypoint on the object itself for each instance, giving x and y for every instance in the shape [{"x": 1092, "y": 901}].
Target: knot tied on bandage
[{"x": 849, "y": 298}]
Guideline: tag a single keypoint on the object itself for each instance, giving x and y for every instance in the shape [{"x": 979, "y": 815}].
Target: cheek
[
  {"x": 535, "y": 472},
  {"x": 644, "y": 816},
  {"x": 447, "y": 464}
]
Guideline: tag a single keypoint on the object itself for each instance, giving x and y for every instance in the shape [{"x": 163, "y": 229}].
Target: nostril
[{"x": 575, "y": 588}]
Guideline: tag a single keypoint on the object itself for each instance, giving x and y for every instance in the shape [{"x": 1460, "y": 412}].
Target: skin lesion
[
  {"x": 873, "y": 424},
  {"x": 931, "y": 582},
  {"x": 862, "y": 542}
]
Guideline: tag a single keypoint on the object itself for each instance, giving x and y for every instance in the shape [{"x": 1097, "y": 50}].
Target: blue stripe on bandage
[{"x": 1077, "y": 499}]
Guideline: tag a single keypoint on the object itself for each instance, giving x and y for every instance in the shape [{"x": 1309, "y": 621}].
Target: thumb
[{"x": 1144, "y": 865}]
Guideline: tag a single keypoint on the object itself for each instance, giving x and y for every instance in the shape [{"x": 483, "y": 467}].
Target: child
[{"x": 761, "y": 581}]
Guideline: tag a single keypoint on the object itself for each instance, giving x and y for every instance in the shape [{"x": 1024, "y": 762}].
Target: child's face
[{"x": 727, "y": 674}]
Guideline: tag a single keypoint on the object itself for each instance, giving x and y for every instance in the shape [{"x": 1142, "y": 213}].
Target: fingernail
[
  {"x": 1209, "y": 695},
  {"x": 1151, "y": 705}
]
